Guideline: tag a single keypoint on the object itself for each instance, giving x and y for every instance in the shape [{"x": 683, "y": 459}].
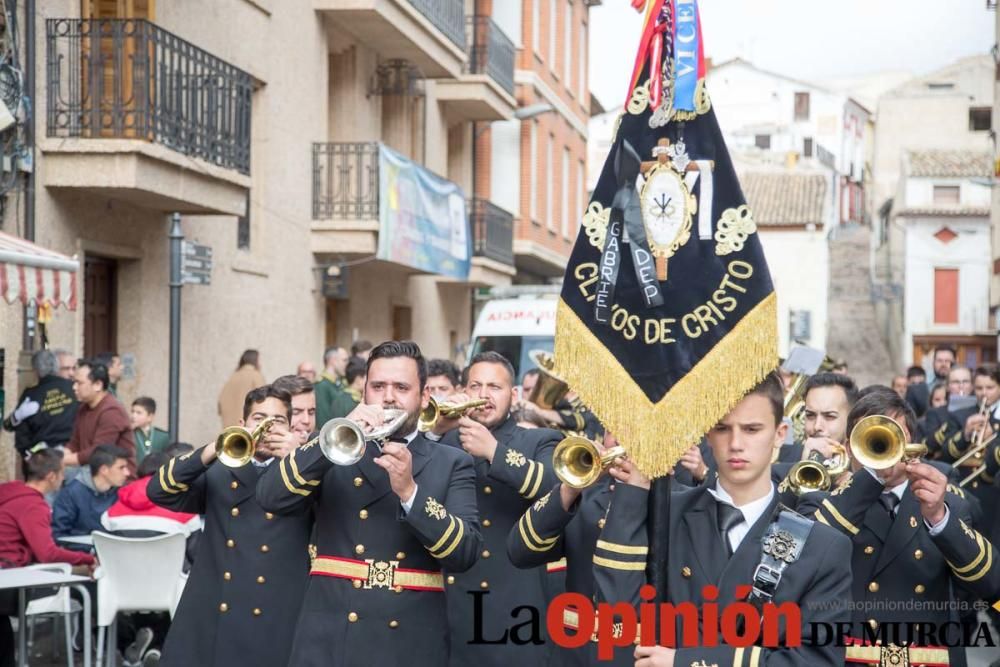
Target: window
[
  {"x": 941, "y": 86},
  {"x": 565, "y": 193},
  {"x": 581, "y": 189},
  {"x": 549, "y": 169},
  {"x": 807, "y": 147},
  {"x": 801, "y": 106},
  {"x": 505, "y": 159},
  {"x": 946, "y": 194},
  {"x": 762, "y": 141},
  {"x": 553, "y": 21},
  {"x": 568, "y": 45},
  {"x": 945, "y": 296},
  {"x": 980, "y": 119},
  {"x": 581, "y": 60},
  {"x": 536, "y": 27},
  {"x": 533, "y": 171}
]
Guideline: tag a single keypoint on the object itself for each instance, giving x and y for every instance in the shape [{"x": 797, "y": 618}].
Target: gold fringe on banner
[{"x": 657, "y": 434}]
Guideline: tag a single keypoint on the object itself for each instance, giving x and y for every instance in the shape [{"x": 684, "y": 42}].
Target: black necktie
[
  {"x": 889, "y": 501},
  {"x": 729, "y": 517}
]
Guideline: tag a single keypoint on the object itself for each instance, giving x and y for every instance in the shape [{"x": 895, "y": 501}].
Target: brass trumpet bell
[
  {"x": 236, "y": 446},
  {"x": 578, "y": 462},
  {"x": 343, "y": 442},
  {"x": 550, "y": 388},
  {"x": 878, "y": 442},
  {"x": 434, "y": 411},
  {"x": 806, "y": 476}
]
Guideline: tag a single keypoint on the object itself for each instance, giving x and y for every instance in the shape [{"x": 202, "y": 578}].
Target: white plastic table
[
  {"x": 23, "y": 578},
  {"x": 77, "y": 539}
]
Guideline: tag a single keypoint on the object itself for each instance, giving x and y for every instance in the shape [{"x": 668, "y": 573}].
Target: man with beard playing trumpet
[
  {"x": 386, "y": 525},
  {"x": 513, "y": 469}
]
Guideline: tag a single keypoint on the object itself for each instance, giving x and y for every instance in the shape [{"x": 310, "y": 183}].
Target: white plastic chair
[
  {"x": 55, "y": 605},
  {"x": 136, "y": 574}
]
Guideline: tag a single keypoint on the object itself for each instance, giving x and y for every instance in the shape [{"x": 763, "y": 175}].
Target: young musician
[
  {"x": 717, "y": 536},
  {"x": 245, "y": 590}
]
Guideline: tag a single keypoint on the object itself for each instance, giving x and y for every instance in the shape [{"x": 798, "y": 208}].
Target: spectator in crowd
[
  {"x": 246, "y": 378},
  {"x": 348, "y": 398},
  {"x": 944, "y": 358},
  {"x": 67, "y": 364},
  {"x": 79, "y": 506},
  {"x": 442, "y": 378},
  {"x": 101, "y": 419},
  {"x": 113, "y": 362},
  {"x": 330, "y": 383},
  {"x": 899, "y": 385},
  {"x": 133, "y": 514},
  {"x": 148, "y": 438},
  {"x": 46, "y": 411},
  {"x": 938, "y": 397},
  {"x": 26, "y": 532},
  {"x": 306, "y": 370},
  {"x": 916, "y": 375},
  {"x": 361, "y": 348}
]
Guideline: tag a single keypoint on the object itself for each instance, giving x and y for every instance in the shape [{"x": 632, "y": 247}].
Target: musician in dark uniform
[
  {"x": 385, "y": 528},
  {"x": 245, "y": 589},
  {"x": 939, "y": 427},
  {"x": 738, "y": 515},
  {"x": 564, "y": 524},
  {"x": 569, "y": 415},
  {"x": 513, "y": 470},
  {"x": 912, "y": 539}
]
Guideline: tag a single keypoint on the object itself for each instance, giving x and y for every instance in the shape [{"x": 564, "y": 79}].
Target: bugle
[
  {"x": 549, "y": 389},
  {"x": 343, "y": 442},
  {"x": 429, "y": 416},
  {"x": 979, "y": 442},
  {"x": 815, "y": 475},
  {"x": 578, "y": 462},
  {"x": 878, "y": 442},
  {"x": 236, "y": 446}
]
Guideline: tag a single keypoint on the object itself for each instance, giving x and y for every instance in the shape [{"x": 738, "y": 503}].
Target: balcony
[
  {"x": 137, "y": 113},
  {"x": 428, "y": 33},
  {"x": 347, "y": 210},
  {"x": 492, "y": 231},
  {"x": 485, "y": 90}
]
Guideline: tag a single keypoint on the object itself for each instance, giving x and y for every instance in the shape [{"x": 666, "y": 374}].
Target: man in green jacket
[
  {"x": 349, "y": 396},
  {"x": 330, "y": 384}
]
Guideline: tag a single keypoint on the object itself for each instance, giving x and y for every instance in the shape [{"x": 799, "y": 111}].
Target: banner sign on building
[{"x": 422, "y": 218}]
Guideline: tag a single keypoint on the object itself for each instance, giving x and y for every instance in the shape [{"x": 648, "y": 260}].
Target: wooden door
[{"x": 100, "y": 310}]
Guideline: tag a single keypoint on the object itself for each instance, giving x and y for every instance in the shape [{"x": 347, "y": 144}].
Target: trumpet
[
  {"x": 812, "y": 475},
  {"x": 795, "y": 401},
  {"x": 979, "y": 442},
  {"x": 550, "y": 388},
  {"x": 578, "y": 462},
  {"x": 878, "y": 442},
  {"x": 429, "y": 416},
  {"x": 236, "y": 446},
  {"x": 343, "y": 442}
]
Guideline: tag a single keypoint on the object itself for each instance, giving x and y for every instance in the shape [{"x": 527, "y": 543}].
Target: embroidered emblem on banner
[
  {"x": 435, "y": 509},
  {"x": 735, "y": 226}
]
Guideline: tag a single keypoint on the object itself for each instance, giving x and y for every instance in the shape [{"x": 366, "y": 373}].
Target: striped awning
[{"x": 30, "y": 273}]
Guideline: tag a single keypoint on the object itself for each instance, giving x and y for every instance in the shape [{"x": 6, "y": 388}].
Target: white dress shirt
[{"x": 751, "y": 512}]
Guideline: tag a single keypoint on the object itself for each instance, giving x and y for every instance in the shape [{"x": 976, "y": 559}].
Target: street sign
[
  {"x": 196, "y": 264},
  {"x": 800, "y": 325},
  {"x": 334, "y": 284}
]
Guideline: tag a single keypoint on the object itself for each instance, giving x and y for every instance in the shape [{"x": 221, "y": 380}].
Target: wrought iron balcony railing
[
  {"x": 345, "y": 181},
  {"x": 492, "y": 231},
  {"x": 446, "y": 15},
  {"x": 131, "y": 79},
  {"x": 491, "y": 51}
]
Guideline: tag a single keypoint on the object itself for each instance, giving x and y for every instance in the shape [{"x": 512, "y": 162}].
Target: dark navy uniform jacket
[
  {"x": 250, "y": 571},
  {"x": 520, "y": 473},
  {"x": 364, "y": 620}
]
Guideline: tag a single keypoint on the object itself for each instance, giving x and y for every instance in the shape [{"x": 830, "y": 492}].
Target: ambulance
[{"x": 515, "y": 321}]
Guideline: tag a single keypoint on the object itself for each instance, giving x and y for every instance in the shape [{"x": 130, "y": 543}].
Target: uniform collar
[{"x": 751, "y": 511}]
